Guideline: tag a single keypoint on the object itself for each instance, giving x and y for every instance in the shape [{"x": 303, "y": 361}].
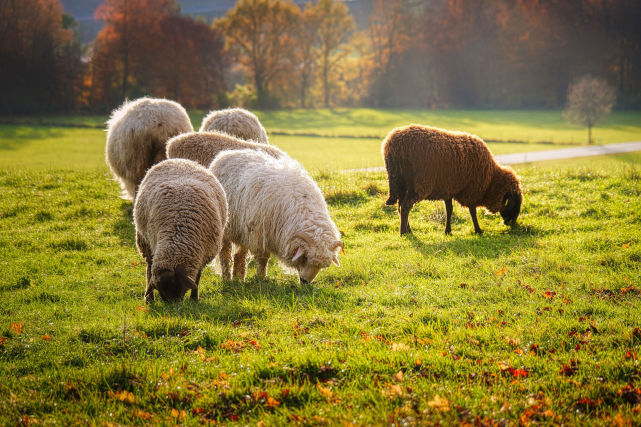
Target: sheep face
[
  {"x": 172, "y": 284},
  {"x": 309, "y": 259},
  {"x": 511, "y": 207}
]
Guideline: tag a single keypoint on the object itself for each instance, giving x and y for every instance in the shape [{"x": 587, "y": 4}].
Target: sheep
[
  {"x": 180, "y": 215},
  {"x": 136, "y": 136},
  {"x": 202, "y": 147},
  {"x": 426, "y": 163},
  {"x": 275, "y": 207},
  {"x": 236, "y": 122}
]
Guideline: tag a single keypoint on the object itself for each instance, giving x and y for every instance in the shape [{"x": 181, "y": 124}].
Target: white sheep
[
  {"x": 180, "y": 214},
  {"x": 276, "y": 207},
  {"x": 237, "y": 122},
  {"x": 137, "y": 133}
]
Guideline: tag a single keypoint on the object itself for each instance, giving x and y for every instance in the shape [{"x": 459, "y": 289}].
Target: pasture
[{"x": 536, "y": 324}]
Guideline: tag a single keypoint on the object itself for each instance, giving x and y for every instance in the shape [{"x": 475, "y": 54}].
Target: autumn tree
[
  {"x": 305, "y": 51},
  {"x": 590, "y": 99},
  {"x": 260, "y": 35},
  {"x": 334, "y": 24},
  {"x": 40, "y": 68},
  {"x": 148, "y": 48}
]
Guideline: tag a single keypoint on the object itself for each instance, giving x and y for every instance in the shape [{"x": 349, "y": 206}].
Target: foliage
[
  {"x": 589, "y": 100},
  {"x": 41, "y": 67},
  {"x": 260, "y": 35},
  {"x": 536, "y": 324},
  {"x": 147, "y": 48}
]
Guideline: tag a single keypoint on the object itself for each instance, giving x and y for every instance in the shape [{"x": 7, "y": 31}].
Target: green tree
[{"x": 590, "y": 99}]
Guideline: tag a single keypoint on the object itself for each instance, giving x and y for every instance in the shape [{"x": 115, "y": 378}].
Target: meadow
[{"x": 540, "y": 323}]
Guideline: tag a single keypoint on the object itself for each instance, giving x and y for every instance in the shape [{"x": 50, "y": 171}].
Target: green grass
[{"x": 534, "y": 323}]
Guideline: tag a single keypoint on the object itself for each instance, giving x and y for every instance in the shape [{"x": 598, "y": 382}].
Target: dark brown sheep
[{"x": 426, "y": 163}]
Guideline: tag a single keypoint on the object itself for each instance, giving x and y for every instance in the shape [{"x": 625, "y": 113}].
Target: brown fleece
[
  {"x": 426, "y": 163},
  {"x": 203, "y": 147}
]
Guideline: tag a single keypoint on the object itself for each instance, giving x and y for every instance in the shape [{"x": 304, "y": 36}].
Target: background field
[
  {"x": 339, "y": 143},
  {"x": 533, "y": 324}
]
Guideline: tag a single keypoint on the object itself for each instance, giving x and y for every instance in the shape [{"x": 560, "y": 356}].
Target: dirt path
[{"x": 541, "y": 156}]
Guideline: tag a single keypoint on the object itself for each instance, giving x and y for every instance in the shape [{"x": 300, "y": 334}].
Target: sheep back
[
  {"x": 137, "y": 133},
  {"x": 203, "y": 147},
  {"x": 180, "y": 214},
  {"x": 237, "y": 122},
  {"x": 273, "y": 201},
  {"x": 435, "y": 164}
]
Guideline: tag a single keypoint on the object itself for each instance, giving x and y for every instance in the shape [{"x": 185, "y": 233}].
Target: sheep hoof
[
  {"x": 479, "y": 231},
  {"x": 448, "y": 232}
]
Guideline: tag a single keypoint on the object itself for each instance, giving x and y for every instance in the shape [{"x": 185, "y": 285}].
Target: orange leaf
[
  {"x": 398, "y": 376},
  {"x": 3, "y": 340},
  {"x": 625, "y": 245},
  {"x": 500, "y": 272},
  {"x": 123, "y": 396},
  {"x": 324, "y": 391},
  {"x": 392, "y": 391},
  {"x": 16, "y": 328},
  {"x": 549, "y": 294},
  {"x": 272, "y": 403},
  {"x": 46, "y": 337},
  {"x": 439, "y": 404}
]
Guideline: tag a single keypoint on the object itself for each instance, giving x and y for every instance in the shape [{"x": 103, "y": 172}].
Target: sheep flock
[{"x": 225, "y": 193}]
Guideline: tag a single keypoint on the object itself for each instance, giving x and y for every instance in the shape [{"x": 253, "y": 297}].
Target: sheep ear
[
  {"x": 299, "y": 253},
  {"x": 336, "y": 261}
]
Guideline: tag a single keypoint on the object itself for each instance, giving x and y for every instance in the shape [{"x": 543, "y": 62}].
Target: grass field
[{"x": 540, "y": 323}]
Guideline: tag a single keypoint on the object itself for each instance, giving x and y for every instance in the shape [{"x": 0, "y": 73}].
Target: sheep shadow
[
  {"x": 123, "y": 226},
  {"x": 487, "y": 245},
  {"x": 235, "y": 301}
]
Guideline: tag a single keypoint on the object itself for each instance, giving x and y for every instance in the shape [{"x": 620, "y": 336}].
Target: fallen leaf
[
  {"x": 123, "y": 396},
  {"x": 568, "y": 369},
  {"x": 399, "y": 346},
  {"x": 439, "y": 404},
  {"x": 398, "y": 376},
  {"x": 324, "y": 391},
  {"x": 234, "y": 346},
  {"x": 625, "y": 245},
  {"x": 141, "y": 308},
  {"x": 549, "y": 294},
  {"x": 392, "y": 391},
  {"x": 514, "y": 342},
  {"x": 143, "y": 415},
  {"x": 500, "y": 272},
  {"x": 16, "y": 327},
  {"x": 3, "y": 340},
  {"x": 46, "y": 337},
  {"x": 636, "y": 334}
]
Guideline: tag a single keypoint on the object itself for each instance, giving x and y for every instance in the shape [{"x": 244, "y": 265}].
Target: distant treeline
[{"x": 275, "y": 53}]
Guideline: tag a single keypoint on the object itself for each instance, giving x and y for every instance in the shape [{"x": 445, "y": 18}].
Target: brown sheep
[
  {"x": 426, "y": 163},
  {"x": 203, "y": 147}
]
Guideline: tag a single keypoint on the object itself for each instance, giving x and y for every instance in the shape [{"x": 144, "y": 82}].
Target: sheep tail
[{"x": 395, "y": 180}]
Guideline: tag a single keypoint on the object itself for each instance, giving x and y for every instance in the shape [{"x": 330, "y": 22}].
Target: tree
[
  {"x": 590, "y": 99},
  {"x": 40, "y": 67},
  {"x": 334, "y": 25},
  {"x": 305, "y": 52},
  {"x": 261, "y": 36}
]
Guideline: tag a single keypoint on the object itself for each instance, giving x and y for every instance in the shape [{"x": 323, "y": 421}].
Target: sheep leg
[
  {"x": 477, "y": 229},
  {"x": 194, "y": 292},
  {"x": 448, "y": 211},
  {"x": 404, "y": 210},
  {"x": 262, "y": 261},
  {"x": 149, "y": 291},
  {"x": 225, "y": 259},
  {"x": 240, "y": 263}
]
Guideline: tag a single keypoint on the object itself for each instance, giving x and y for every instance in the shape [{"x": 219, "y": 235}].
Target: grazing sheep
[
  {"x": 180, "y": 215},
  {"x": 236, "y": 122},
  {"x": 136, "y": 136},
  {"x": 202, "y": 147},
  {"x": 275, "y": 207},
  {"x": 425, "y": 163}
]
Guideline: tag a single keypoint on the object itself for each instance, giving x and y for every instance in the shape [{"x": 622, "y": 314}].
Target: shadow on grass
[
  {"x": 244, "y": 301},
  {"x": 124, "y": 226},
  {"x": 488, "y": 245},
  {"x": 13, "y": 137}
]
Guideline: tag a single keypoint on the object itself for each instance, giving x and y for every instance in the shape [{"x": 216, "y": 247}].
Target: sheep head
[
  {"x": 309, "y": 257},
  {"x": 172, "y": 284},
  {"x": 511, "y": 207}
]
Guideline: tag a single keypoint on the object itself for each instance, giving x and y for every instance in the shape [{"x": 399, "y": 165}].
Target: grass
[{"x": 532, "y": 324}]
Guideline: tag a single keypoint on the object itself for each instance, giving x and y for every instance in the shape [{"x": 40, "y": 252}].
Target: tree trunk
[{"x": 590, "y": 134}]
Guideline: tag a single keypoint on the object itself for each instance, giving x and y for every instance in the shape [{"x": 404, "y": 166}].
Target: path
[{"x": 540, "y": 156}]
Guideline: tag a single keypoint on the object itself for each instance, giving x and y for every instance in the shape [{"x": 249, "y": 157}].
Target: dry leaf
[
  {"x": 398, "y": 376},
  {"x": 392, "y": 391},
  {"x": 16, "y": 327},
  {"x": 46, "y": 337},
  {"x": 399, "y": 346},
  {"x": 500, "y": 272},
  {"x": 324, "y": 391},
  {"x": 439, "y": 403}
]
